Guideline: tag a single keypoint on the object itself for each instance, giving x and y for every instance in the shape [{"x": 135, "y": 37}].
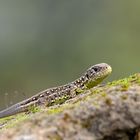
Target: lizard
[{"x": 90, "y": 78}]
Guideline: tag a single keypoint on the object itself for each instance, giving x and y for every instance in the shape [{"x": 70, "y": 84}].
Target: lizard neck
[{"x": 80, "y": 82}]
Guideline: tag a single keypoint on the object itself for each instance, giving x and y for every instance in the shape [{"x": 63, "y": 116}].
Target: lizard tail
[{"x": 11, "y": 110}]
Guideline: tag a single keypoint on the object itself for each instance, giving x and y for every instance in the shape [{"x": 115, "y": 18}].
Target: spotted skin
[{"x": 92, "y": 77}]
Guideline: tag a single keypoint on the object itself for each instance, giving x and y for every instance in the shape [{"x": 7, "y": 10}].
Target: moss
[
  {"x": 134, "y": 78},
  {"x": 34, "y": 109},
  {"x": 104, "y": 94},
  {"x": 96, "y": 91},
  {"x": 18, "y": 119},
  {"x": 125, "y": 85},
  {"x": 121, "y": 82},
  {"x": 2, "y": 120},
  {"x": 56, "y": 109},
  {"x": 126, "y": 82},
  {"x": 138, "y": 78},
  {"x": 9, "y": 122},
  {"x": 59, "y": 100}
]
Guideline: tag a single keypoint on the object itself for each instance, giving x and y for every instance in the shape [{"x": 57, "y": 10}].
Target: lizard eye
[{"x": 95, "y": 69}]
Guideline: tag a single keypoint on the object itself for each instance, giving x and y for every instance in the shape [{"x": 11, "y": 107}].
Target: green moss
[
  {"x": 9, "y": 122},
  {"x": 134, "y": 77},
  {"x": 138, "y": 78},
  {"x": 122, "y": 82},
  {"x": 33, "y": 109},
  {"x": 2, "y": 120},
  {"x": 125, "y": 85},
  {"x": 126, "y": 82},
  {"x": 59, "y": 100},
  {"x": 104, "y": 94},
  {"x": 56, "y": 109},
  {"x": 96, "y": 91},
  {"x": 18, "y": 119}
]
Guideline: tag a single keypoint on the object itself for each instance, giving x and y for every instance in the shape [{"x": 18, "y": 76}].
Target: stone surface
[{"x": 111, "y": 112}]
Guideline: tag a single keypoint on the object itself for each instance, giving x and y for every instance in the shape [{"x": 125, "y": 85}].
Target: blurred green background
[{"x": 45, "y": 43}]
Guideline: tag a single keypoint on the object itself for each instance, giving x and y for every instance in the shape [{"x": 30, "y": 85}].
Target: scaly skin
[{"x": 92, "y": 77}]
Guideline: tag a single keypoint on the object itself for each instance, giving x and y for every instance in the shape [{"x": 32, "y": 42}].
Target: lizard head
[{"x": 97, "y": 73}]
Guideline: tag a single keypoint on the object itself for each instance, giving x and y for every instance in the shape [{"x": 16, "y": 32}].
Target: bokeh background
[{"x": 45, "y": 43}]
